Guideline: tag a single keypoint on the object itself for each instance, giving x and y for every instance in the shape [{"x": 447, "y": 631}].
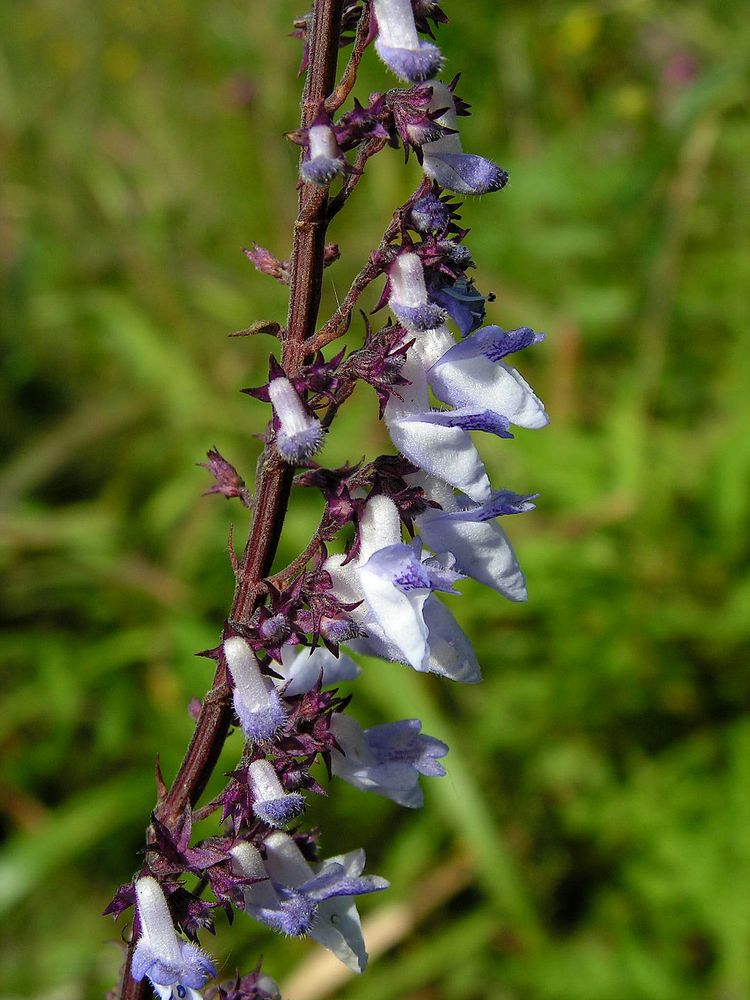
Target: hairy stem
[
  {"x": 274, "y": 479},
  {"x": 285, "y": 576},
  {"x": 349, "y": 78}
]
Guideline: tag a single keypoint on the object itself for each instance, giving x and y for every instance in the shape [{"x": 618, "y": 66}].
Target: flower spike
[{"x": 394, "y": 534}]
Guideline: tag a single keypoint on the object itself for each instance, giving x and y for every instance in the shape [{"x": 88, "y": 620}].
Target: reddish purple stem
[{"x": 274, "y": 478}]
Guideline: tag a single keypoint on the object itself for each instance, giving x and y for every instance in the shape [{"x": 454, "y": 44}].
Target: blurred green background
[{"x": 592, "y": 840}]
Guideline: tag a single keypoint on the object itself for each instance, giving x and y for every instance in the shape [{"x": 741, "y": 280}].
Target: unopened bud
[{"x": 299, "y": 434}]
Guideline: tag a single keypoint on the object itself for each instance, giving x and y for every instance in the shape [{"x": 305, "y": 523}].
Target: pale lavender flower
[
  {"x": 270, "y": 802},
  {"x": 175, "y": 968},
  {"x": 396, "y": 584},
  {"x": 440, "y": 446},
  {"x": 474, "y": 369},
  {"x": 435, "y": 440},
  {"x": 299, "y": 434},
  {"x": 387, "y": 759},
  {"x": 256, "y": 701},
  {"x": 324, "y": 159},
  {"x": 449, "y": 651},
  {"x": 444, "y": 160},
  {"x": 296, "y": 898},
  {"x": 435, "y": 443},
  {"x": 408, "y": 299},
  {"x": 481, "y": 548},
  {"x": 486, "y": 395},
  {"x": 399, "y": 45},
  {"x": 399, "y": 611}
]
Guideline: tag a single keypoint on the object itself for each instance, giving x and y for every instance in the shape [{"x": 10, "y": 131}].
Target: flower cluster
[{"x": 418, "y": 523}]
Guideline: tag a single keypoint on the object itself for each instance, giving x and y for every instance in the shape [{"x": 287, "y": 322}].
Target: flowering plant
[{"x": 419, "y": 522}]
